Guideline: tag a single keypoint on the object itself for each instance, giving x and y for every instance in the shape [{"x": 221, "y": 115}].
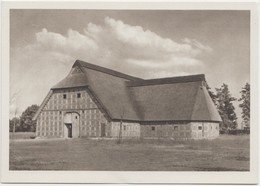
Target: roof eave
[
  {"x": 42, "y": 105},
  {"x": 163, "y": 121},
  {"x": 70, "y": 87}
]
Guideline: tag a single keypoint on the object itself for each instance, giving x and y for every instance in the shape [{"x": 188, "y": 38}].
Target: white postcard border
[{"x": 229, "y": 177}]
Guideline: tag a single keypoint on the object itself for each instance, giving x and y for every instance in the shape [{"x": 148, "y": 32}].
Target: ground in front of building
[{"x": 226, "y": 153}]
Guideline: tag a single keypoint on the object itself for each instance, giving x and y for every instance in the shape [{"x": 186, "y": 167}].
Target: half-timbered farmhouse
[{"x": 92, "y": 101}]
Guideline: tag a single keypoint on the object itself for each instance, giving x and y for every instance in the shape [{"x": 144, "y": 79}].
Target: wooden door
[
  {"x": 75, "y": 125},
  {"x": 71, "y": 121},
  {"x": 68, "y": 130},
  {"x": 103, "y": 129}
]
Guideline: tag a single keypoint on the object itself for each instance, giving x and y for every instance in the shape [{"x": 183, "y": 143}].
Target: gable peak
[{"x": 76, "y": 70}]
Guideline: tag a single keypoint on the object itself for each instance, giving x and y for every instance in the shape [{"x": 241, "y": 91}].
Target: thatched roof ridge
[
  {"x": 105, "y": 70},
  {"x": 168, "y": 80}
]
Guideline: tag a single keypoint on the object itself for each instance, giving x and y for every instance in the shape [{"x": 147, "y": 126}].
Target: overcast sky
[{"x": 147, "y": 44}]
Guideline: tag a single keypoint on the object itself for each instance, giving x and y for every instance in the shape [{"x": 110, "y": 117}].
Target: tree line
[
  {"x": 223, "y": 100},
  {"x": 24, "y": 123},
  {"x": 221, "y": 97}
]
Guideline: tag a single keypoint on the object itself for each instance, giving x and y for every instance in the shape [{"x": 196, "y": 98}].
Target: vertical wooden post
[
  {"x": 79, "y": 122},
  {"x": 121, "y": 123},
  {"x": 14, "y": 120},
  {"x": 120, "y": 131},
  {"x": 62, "y": 125},
  {"x": 203, "y": 129},
  {"x": 14, "y": 126}
]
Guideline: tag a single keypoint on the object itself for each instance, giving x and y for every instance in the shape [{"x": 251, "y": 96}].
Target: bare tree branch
[{"x": 13, "y": 98}]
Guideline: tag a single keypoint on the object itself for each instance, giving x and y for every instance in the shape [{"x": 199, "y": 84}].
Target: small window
[
  {"x": 60, "y": 112},
  {"x": 200, "y": 127},
  {"x": 153, "y": 128},
  {"x": 76, "y": 117},
  {"x": 124, "y": 127},
  {"x": 83, "y": 111},
  {"x": 78, "y": 95},
  {"x": 175, "y": 128},
  {"x": 64, "y": 96}
]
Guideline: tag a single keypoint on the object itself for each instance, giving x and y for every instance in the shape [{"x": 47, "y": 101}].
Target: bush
[{"x": 235, "y": 132}]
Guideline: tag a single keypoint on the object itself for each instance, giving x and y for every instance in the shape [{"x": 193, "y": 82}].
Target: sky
[{"x": 44, "y": 44}]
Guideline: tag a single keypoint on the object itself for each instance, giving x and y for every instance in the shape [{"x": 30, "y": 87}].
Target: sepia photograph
[{"x": 103, "y": 89}]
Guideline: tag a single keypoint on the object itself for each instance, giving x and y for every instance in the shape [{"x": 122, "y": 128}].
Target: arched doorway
[{"x": 71, "y": 125}]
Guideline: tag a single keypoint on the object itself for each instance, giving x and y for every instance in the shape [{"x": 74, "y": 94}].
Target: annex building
[{"x": 92, "y": 101}]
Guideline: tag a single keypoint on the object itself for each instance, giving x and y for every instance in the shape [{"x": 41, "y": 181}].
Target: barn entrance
[
  {"x": 103, "y": 129},
  {"x": 71, "y": 125},
  {"x": 69, "y": 128}
]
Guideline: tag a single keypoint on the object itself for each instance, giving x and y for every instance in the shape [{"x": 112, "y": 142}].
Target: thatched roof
[
  {"x": 123, "y": 96},
  {"x": 72, "y": 80}
]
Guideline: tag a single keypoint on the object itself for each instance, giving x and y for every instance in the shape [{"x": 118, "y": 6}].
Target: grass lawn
[
  {"x": 21, "y": 135},
  {"x": 227, "y": 153}
]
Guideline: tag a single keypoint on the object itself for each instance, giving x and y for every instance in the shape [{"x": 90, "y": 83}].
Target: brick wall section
[
  {"x": 207, "y": 130},
  {"x": 163, "y": 130},
  {"x": 50, "y": 121},
  {"x": 193, "y": 130},
  {"x": 129, "y": 130},
  {"x": 91, "y": 123}
]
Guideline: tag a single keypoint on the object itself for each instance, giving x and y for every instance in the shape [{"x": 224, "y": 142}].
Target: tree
[
  {"x": 226, "y": 109},
  {"x": 13, "y": 103},
  {"x": 245, "y": 105},
  {"x": 14, "y": 124},
  {"x": 26, "y": 123},
  {"x": 211, "y": 93},
  {"x": 15, "y": 121}
]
